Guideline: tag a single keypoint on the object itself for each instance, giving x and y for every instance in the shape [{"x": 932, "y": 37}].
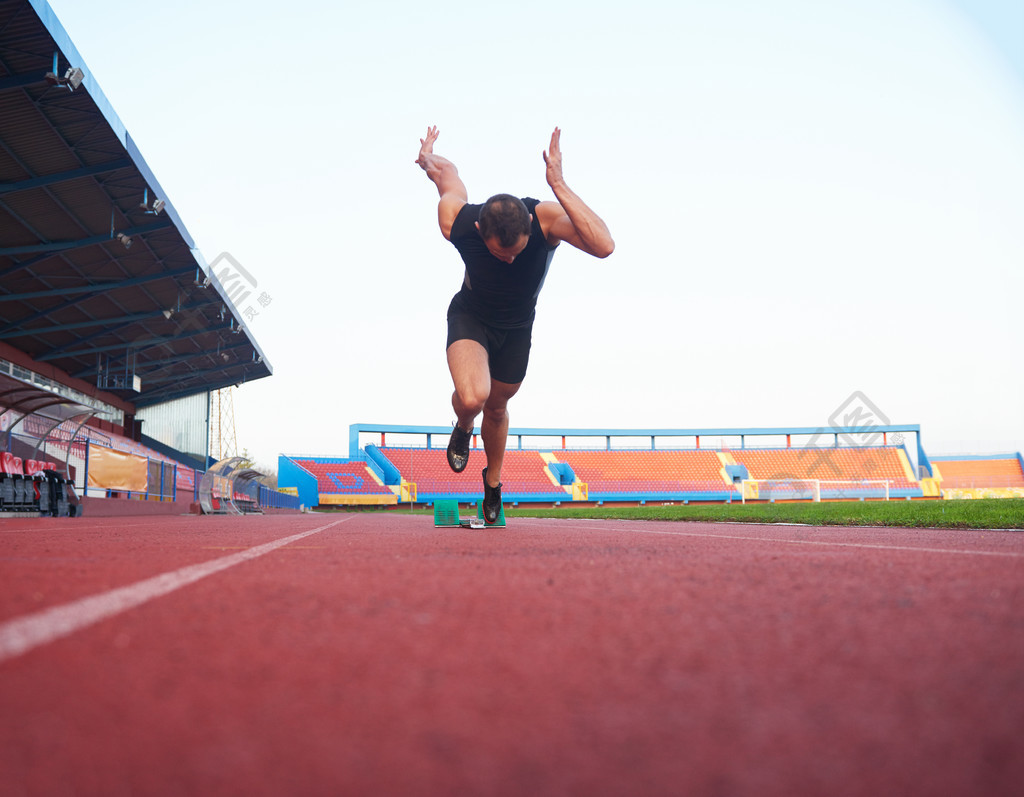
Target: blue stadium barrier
[{"x": 388, "y": 472}]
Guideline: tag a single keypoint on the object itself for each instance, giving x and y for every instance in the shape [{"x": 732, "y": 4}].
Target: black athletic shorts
[{"x": 508, "y": 350}]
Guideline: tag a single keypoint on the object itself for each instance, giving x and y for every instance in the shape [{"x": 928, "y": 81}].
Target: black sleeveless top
[{"x": 502, "y": 295}]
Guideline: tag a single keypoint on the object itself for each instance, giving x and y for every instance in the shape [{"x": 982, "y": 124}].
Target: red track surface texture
[{"x": 374, "y": 654}]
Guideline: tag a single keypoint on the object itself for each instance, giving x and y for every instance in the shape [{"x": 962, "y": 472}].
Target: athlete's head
[{"x": 504, "y": 224}]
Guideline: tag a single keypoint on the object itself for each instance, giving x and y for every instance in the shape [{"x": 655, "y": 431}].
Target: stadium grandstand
[
  {"x": 981, "y": 476},
  {"x": 114, "y": 330},
  {"x": 389, "y": 465}
]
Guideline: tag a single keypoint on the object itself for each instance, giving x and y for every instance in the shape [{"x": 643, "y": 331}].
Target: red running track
[{"x": 374, "y": 654}]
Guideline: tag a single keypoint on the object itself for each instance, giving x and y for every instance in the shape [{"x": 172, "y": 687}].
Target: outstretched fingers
[
  {"x": 428, "y": 142},
  {"x": 554, "y": 147},
  {"x": 553, "y": 158},
  {"x": 427, "y": 145}
]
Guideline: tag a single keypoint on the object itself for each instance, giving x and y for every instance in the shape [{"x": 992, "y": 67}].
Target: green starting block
[{"x": 446, "y": 515}]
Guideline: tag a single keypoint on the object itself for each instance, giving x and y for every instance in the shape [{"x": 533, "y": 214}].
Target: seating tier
[
  {"x": 968, "y": 473},
  {"x": 827, "y": 464},
  {"x": 523, "y": 473},
  {"x": 343, "y": 478},
  {"x": 647, "y": 471}
]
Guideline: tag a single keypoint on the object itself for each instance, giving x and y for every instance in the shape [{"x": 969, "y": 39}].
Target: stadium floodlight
[
  {"x": 168, "y": 314},
  {"x": 73, "y": 78},
  {"x": 158, "y": 204}
]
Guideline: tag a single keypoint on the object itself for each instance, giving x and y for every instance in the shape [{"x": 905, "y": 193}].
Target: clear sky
[{"x": 808, "y": 199}]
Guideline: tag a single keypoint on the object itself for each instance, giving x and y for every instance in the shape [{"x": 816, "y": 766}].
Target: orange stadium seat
[
  {"x": 969, "y": 473},
  {"x": 828, "y": 464},
  {"x": 669, "y": 472},
  {"x": 636, "y": 474}
]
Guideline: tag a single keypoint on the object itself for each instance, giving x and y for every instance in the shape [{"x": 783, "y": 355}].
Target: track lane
[
  {"x": 954, "y": 541},
  {"x": 386, "y": 656},
  {"x": 22, "y": 634},
  {"x": 48, "y": 562}
]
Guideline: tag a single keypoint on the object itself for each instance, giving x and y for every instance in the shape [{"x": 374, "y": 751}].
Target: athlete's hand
[
  {"x": 427, "y": 148},
  {"x": 553, "y": 160}
]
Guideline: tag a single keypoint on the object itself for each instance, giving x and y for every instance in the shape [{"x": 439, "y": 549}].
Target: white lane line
[
  {"x": 25, "y": 633},
  {"x": 635, "y": 530}
]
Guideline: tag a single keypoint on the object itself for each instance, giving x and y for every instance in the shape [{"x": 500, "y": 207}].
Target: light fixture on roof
[
  {"x": 168, "y": 314},
  {"x": 125, "y": 240},
  {"x": 158, "y": 204},
  {"x": 72, "y": 79}
]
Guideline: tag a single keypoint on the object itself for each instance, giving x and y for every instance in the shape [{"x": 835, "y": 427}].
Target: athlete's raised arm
[
  {"x": 570, "y": 219},
  {"x": 445, "y": 176}
]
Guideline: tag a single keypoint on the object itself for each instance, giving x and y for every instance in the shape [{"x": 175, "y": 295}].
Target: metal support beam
[
  {"x": 60, "y": 177},
  {"x": 20, "y": 81},
  {"x": 57, "y": 354},
  {"x": 100, "y": 287},
  {"x": 182, "y": 377},
  {"x": 93, "y": 322},
  {"x": 148, "y": 399},
  {"x": 27, "y": 264},
  {"x": 63, "y": 246},
  {"x": 149, "y": 367}
]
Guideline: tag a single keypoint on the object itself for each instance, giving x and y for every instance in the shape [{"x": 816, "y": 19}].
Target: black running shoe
[
  {"x": 458, "y": 449},
  {"x": 492, "y": 501}
]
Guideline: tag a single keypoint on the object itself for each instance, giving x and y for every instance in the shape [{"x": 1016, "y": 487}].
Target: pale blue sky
[{"x": 808, "y": 199}]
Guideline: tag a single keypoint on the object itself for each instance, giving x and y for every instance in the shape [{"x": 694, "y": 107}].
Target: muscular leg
[
  {"x": 476, "y": 392},
  {"x": 467, "y": 361},
  {"x": 494, "y": 428}
]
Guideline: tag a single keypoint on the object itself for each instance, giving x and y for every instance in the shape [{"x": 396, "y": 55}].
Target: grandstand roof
[
  {"x": 26, "y": 399},
  {"x": 71, "y": 293}
]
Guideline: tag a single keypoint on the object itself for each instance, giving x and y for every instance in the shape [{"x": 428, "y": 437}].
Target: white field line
[
  {"x": 633, "y": 529},
  {"x": 25, "y": 633}
]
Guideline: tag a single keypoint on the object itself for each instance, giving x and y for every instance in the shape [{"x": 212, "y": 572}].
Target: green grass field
[{"x": 1006, "y": 513}]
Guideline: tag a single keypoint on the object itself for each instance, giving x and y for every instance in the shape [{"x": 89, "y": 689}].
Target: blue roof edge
[{"x": 63, "y": 41}]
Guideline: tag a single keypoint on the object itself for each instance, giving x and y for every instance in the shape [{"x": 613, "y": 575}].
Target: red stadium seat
[{"x": 343, "y": 478}]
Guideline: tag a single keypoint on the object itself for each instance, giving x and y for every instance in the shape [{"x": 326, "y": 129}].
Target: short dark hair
[{"x": 504, "y": 217}]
